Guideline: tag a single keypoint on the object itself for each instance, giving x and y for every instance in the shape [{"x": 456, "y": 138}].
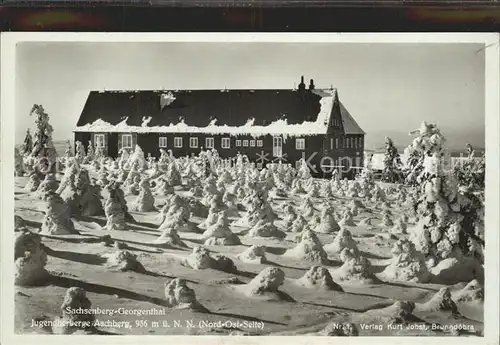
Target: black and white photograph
[{"x": 265, "y": 186}]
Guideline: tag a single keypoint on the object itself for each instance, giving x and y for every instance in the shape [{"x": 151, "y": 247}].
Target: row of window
[
  {"x": 347, "y": 143},
  {"x": 209, "y": 142},
  {"x": 300, "y": 143},
  {"x": 247, "y": 143},
  {"x": 193, "y": 142}
]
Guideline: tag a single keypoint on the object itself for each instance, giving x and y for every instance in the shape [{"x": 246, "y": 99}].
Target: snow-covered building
[{"x": 266, "y": 125}]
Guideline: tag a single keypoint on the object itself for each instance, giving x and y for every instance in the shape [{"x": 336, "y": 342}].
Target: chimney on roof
[
  {"x": 302, "y": 86},
  {"x": 311, "y": 85}
]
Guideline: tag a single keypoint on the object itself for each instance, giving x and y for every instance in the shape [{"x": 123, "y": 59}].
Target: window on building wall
[
  {"x": 361, "y": 142},
  {"x": 336, "y": 143},
  {"x": 193, "y": 142},
  {"x": 331, "y": 143},
  {"x": 225, "y": 143},
  {"x": 259, "y": 166},
  {"x": 300, "y": 144},
  {"x": 209, "y": 143},
  {"x": 99, "y": 140},
  {"x": 178, "y": 142},
  {"x": 238, "y": 143},
  {"x": 162, "y": 141},
  {"x": 252, "y": 143},
  {"x": 297, "y": 164},
  {"x": 353, "y": 143},
  {"x": 260, "y": 143},
  {"x": 346, "y": 143},
  {"x": 245, "y": 143},
  {"x": 126, "y": 141}
]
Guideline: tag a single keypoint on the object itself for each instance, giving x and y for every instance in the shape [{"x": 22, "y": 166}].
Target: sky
[{"x": 388, "y": 88}]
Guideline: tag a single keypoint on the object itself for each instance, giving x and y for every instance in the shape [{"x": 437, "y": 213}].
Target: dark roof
[
  {"x": 350, "y": 125},
  {"x": 199, "y": 108}
]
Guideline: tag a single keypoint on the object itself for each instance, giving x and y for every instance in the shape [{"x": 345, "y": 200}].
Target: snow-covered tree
[
  {"x": 392, "y": 162},
  {"x": 100, "y": 153},
  {"x": 471, "y": 172},
  {"x": 304, "y": 172},
  {"x": 80, "y": 151},
  {"x": 69, "y": 150},
  {"x": 428, "y": 142},
  {"x": 137, "y": 159},
  {"x": 116, "y": 209},
  {"x": 18, "y": 163},
  {"x": 27, "y": 146},
  {"x": 43, "y": 146},
  {"x": 445, "y": 233},
  {"x": 57, "y": 220},
  {"x": 145, "y": 202},
  {"x": 90, "y": 152}
]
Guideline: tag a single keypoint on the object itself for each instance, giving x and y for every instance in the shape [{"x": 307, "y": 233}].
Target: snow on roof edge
[{"x": 320, "y": 126}]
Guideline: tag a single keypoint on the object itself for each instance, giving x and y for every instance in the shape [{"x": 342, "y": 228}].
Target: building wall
[
  {"x": 348, "y": 159},
  {"x": 82, "y": 137},
  {"x": 318, "y": 149}
]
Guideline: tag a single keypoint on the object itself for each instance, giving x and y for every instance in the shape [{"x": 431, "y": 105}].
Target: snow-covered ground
[{"x": 290, "y": 295}]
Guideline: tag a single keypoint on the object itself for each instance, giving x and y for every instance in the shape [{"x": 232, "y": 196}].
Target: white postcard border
[{"x": 492, "y": 146}]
